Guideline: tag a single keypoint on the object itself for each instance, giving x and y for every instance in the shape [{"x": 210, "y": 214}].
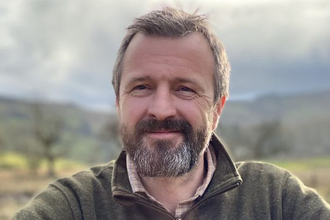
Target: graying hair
[{"x": 173, "y": 23}]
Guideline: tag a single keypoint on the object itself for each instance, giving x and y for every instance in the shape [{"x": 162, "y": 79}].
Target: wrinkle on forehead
[
  {"x": 192, "y": 50},
  {"x": 175, "y": 61}
]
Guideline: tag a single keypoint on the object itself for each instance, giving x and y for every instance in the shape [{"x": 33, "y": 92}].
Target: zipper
[
  {"x": 146, "y": 202},
  {"x": 226, "y": 189}
]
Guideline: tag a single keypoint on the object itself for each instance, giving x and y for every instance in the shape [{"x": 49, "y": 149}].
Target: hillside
[
  {"x": 304, "y": 121},
  {"x": 82, "y": 129},
  {"x": 290, "y": 108}
]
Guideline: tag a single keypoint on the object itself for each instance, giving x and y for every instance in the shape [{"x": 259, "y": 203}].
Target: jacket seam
[{"x": 66, "y": 198}]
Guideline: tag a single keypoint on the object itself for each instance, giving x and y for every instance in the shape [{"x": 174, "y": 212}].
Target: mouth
[{"x": 164, "y": 134}]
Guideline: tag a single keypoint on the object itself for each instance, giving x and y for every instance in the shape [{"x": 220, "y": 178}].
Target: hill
[
  {"x": 291, "y": 108},
  {"x": 304, "y": 121}
]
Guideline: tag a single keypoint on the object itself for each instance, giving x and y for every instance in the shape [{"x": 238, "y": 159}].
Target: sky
[{"x": 64, "y": 51}]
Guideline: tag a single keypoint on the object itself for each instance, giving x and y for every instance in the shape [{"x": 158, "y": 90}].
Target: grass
[
  {"x": 18, "y": 186},
  {"x": 305, "y": 164},
  {"x": 12, "y": 161}
]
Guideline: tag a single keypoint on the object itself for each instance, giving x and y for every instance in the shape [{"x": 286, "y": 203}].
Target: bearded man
[{"x": 171, "y": 81}]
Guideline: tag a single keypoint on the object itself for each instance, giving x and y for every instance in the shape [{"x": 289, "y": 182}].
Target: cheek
[
  {"x": 194, "y": 112},
  {"x": 132, "y": 110}
]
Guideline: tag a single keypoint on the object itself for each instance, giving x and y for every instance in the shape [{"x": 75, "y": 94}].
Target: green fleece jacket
[{"x": 246, "y": 190}]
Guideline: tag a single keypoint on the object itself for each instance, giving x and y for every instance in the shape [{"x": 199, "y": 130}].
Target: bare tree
[
  {"x": 2, "y": 143},
  {"x": 109, "y": 139},
  {"x": 32, "y": 152},
  {"x": 269, "y": 140},
  {"x": 48, "y": 131},
  {"x": 264, "y": 132},
  {"x": 255, "y": 142},
  {"x": 110, "y": 131}
]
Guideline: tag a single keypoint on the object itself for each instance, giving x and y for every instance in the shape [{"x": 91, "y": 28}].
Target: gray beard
[{"x": 161, "y": 158}]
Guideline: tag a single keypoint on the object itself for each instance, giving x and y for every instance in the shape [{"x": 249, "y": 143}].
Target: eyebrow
[
  {"x": 185, "y": 80},
  {"x": 176, "y": 80},
  {"x": 138, "y": 79}
]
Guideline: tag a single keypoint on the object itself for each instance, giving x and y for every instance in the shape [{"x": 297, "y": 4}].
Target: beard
[{"x": 164, "y": 157}]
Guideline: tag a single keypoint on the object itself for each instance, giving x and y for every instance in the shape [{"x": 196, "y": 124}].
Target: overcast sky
[{"x": 64, "y": 50}]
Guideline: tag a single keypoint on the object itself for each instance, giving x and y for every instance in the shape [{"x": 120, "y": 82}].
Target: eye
[
  {"x": 185, "y": 92},
  {"x": 140, "y": 87},
  {"x": 185, "y": 89},
  {"x": 141, "y": 90}
]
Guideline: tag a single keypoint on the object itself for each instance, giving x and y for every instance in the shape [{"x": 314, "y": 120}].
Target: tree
[
  {"x": 268, "y": 140},
  {"x": 48, "y": 130},
  {"x": 32, "y": 151},
  {"x": 2, "y": 143},
  {"x": 110, "y": 131},
  {"x": 254, "y": 142},
  {"x": 109, "y": 139}
]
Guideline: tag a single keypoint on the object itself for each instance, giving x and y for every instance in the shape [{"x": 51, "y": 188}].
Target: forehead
[{"x": 161, "y": 56}]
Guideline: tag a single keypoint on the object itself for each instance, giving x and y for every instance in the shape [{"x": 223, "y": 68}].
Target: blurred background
[{"x": 57, "y": 105}]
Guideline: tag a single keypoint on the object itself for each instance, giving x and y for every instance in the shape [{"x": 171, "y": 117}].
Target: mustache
[{"x": 152, "y": 125}]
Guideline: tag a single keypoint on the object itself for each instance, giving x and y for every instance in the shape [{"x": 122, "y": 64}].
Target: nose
[{"x": 162, "y": 105}]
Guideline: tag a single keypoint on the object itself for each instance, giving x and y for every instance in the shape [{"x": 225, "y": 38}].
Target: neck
[{"x": 170, "y": 191}]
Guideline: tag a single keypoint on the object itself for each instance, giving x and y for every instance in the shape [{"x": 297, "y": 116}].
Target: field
[{"x": 17, "y": 186}]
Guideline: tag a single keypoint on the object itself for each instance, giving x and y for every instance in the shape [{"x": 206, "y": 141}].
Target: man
[{"x": 171, "y": 82}]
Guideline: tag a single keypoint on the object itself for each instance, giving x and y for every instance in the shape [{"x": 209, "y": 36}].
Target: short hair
[{"x": 173, "y": 23}]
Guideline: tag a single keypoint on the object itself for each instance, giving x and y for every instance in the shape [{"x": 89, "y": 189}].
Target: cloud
[
  {"x": 278, "y": 46},
  {"x": 56, "y": 47},
  {"x": 65, "y": 50}
]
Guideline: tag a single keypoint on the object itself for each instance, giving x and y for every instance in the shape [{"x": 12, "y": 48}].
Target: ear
[{"x": 217, "y": 111}]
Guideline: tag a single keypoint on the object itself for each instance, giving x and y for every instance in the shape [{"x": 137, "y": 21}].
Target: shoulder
[
  {"x": 259, "y": 167},
  {"x": 265, "y": 178},
  {"x": 67, "y": 197},
  {"x": 276, "y": 182},
  {"x": 297, "y": 200},
  {"x": 261, "y": 170},
  {"x": 97, "y": 172},
  {"x": 87, "y": 180}
]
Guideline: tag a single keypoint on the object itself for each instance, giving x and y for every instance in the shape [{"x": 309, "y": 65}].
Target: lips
[{"x": 163, "y": 134}]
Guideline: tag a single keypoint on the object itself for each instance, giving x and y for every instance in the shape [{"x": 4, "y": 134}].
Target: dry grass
[
  {"x": 318, "y": 179},
  {"x": 314, "y": 173},
  {"x": 17, "y": 187}
]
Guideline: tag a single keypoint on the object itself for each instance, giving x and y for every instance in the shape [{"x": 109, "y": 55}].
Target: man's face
[{"x": 166, "y": 103}]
